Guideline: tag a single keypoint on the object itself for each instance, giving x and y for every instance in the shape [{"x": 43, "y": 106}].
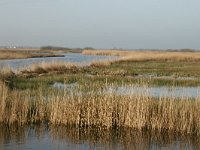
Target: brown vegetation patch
[
  {"x": 49, "y": 67},
  {"x": 20, "y": 54},
  {"x": 148, "y": 55},
  {"x": 103, "y": 111}
]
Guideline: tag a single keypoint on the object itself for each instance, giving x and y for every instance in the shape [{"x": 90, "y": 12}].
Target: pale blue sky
[{"x": 132, "y": 24}]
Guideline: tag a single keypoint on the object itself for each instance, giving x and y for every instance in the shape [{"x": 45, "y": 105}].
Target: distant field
[
  {"x": 147, "y": 55},
  {"x": 20, "y": 53}
]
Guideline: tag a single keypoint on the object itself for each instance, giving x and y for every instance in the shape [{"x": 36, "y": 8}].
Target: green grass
[
  {"x": 153, "y": 73},
  {"x": 158, "y": 68},
  {"x": 90, "y": 80}
]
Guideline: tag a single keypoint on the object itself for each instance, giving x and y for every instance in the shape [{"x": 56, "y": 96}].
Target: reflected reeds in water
[
  {"x": 63, "y": 137},
  {"x": 124, "y": 139}
]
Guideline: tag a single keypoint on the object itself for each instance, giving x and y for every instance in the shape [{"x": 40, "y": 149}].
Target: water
[
  {"x": 67, "y": 138},
  {"x": 161, "y": 91},
  {"x": 68, "y": 57},
  {"x": 65, "y": 86}
]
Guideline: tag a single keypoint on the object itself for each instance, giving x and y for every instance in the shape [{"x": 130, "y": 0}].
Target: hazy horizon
[{"x": 130, "y": 24}]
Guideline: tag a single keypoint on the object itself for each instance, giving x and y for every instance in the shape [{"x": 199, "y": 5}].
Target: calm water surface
[
  {"x": 161, "y": 91},
  {"x": 65, "y": 138},
  {"x": 68, "y": 57}
]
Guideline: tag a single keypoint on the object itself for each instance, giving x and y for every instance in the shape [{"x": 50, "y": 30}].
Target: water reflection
[{"x": 42, "y": 137}]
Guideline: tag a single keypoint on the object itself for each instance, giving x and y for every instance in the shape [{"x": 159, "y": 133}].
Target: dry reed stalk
[
  {"x": 16, "y": 109},
  {"x": 3, "y": 96},
  {"x": 38, "y": 111}
]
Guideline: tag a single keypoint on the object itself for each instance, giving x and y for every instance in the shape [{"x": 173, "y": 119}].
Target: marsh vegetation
[{"x": 28, "y": 98}]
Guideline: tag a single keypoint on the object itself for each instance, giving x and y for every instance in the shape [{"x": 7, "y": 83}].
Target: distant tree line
[
  {"x": 182, "y": 50},
  {"x": 62, "y": 48}
]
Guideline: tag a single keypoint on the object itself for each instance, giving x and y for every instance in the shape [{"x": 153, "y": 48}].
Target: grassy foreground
[{"x": 94, "y": 109}]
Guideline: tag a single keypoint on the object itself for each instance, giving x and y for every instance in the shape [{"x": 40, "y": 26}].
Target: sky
[{"x": 104, "y": 24}]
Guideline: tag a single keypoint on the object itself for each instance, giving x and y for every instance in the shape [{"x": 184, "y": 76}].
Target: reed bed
[
  {"x": 20, "y": 54},
  {"x": 138, "y": 112},
  {"x": 147, "y": 55},
  {"x": 62, "y": 67},
  {"x": 6, "y": 72},
  {"x": 102, "y": 63},
  {"x": 99, "y": 110},
  {"x": 107, "y": 52},
  {"x": 47, "y": 67},
  {"x": 11, "y": 55},
  {"x": 18, "y": 107}
]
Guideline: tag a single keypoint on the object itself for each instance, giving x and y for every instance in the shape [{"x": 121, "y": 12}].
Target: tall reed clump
[
  {"x": 18, "y": 107},
  {"x": 139, "y": 112},
  {"x": 101, "y": 63},
  {"x": 6, "y": 72},
  {"x": 100, "y": 110},
  {"x": 49, "y": 67},
  {"x": 3, "y": 96}
]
